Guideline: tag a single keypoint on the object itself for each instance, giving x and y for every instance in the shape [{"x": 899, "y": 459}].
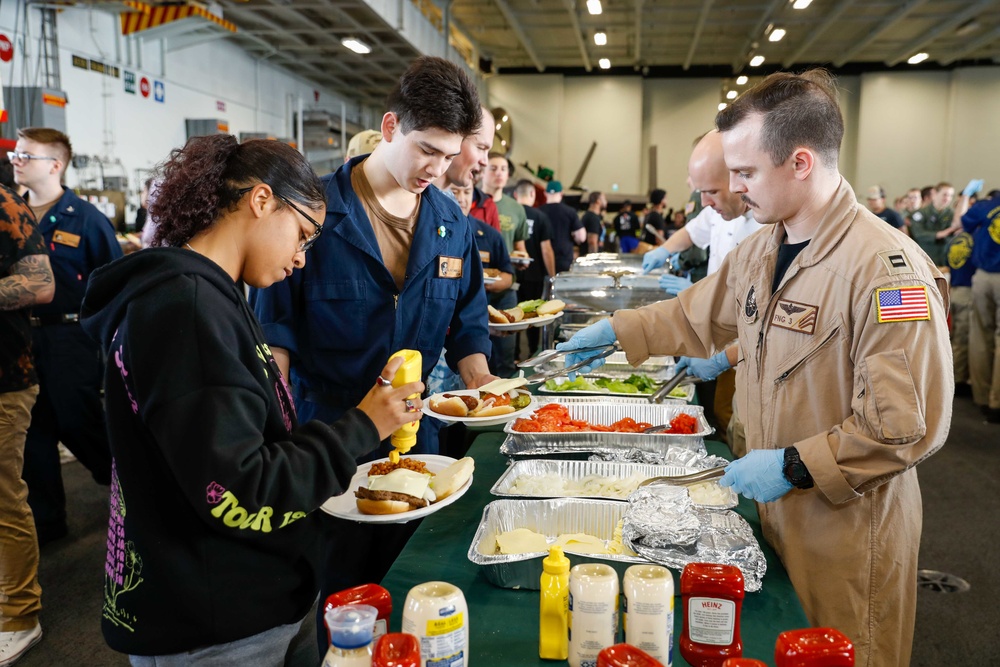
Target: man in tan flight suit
[{"x": 844, "y": 364}]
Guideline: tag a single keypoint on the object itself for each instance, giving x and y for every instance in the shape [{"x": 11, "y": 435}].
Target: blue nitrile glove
[
  {"x": 973, "y": 187},
  {"x": 706, "y": 369},
  {"x": 601, "y": 333},
  {"x": 759, "y": 475},
  {"x": 674, "y": 284},
  {"x": 656, "y": 258}
]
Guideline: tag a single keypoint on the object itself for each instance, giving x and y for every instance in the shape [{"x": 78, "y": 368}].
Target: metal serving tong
[
  {"x": 687, "y": 480},
  {"x": 662, "y": 392},
  {"x": 559, "y": 372},
  {"x": 546, "y": 356}
]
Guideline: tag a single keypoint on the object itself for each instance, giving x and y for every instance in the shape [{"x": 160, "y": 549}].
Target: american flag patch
[{"x": 902, "y": 304}]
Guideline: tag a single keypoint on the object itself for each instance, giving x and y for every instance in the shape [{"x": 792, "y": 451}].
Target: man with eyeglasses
[{"x": 80, "y": 239}]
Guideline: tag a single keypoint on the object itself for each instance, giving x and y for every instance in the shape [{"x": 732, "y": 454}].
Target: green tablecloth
[{"x": 504, "y": 622}]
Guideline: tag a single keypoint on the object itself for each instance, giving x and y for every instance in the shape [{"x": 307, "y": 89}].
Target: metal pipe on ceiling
[
  {"x": 515, "y": 25},
  {"x": 818, "y": 31},
  {"x": 940, "y": 29},
  {"x": 883, "y": 26}
]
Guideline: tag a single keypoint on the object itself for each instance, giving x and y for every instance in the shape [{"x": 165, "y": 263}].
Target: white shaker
[
  {"x": 648, "y": 600},
  {"x": 593, "y": 612}
]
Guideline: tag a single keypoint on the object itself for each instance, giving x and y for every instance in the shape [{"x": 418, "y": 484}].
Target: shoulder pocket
[{"x": 893, "y": 411}]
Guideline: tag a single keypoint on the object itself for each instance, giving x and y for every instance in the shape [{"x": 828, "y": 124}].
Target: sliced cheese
[
  {"x": 498, "y": 387},
  {"x": 521, "y": 541},
  {"x": 405, "y": 481},
  {"x": 581, "y": 543}
]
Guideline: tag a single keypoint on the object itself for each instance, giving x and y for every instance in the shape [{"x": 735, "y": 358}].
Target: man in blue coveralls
[
  {"x": 396, "y": 268},
  {"x": 70, "y": 365}
]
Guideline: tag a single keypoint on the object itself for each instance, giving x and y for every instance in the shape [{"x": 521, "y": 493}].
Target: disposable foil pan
[
  {"x": 617, "y": 366},
  {"x": 574, "y": 472},
  {"x": 551, "y": 518},
  {"x": 607, "y": 410}
]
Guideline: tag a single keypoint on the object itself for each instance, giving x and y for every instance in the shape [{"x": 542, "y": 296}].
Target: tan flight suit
[{"x": 862, "y": 401}]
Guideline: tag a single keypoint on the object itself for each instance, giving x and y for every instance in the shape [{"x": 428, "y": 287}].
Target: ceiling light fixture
[
  {"x": 741, "y": 81},
  {"x": 605, "y": 63},
  {"x": 757, "y": 61},
  {"x": 498, "y": 126},
  {"x": 504, "y": 119},
  {"x": 776, "y": 35},
  {"x": 356, "y": 45},
  {"x": 919, "y": 58},
  {"x": 600, "y": 38},
  {"x": 594, "y": 7},
  {"x": 731, "y": 95},
  {"x": 801, "y": 4},
  {"x": 722, "y": 105}
]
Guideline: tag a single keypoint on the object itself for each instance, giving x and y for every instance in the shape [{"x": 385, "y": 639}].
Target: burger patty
[{"x": 368, "y": 494}]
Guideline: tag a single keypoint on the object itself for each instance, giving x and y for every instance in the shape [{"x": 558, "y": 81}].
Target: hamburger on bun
[{"x": 401, "y": 490}]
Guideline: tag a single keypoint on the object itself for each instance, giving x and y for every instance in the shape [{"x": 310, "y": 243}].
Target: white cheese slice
[
  {"x": 521, "y": 541},
  {"x": 498, "y": 387},
  {"x": 405, "y": 481},
  {"x": 581, "y": 543}
]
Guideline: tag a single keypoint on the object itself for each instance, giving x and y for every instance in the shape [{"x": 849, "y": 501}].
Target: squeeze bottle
[
  {"x": 820, "y": 647},
  {"x": 372, "y": 595},
  {"x": 351, "y": 629},
  {"x": 713, "y": 596},
  {"x": 405, "y": 437},
  {"x": 553, "y": 608},
  {"x": 396, "y": 649}
]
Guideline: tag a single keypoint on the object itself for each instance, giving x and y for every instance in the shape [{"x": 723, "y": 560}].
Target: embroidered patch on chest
[
  {"x": 484, "y": 256},
  {"x": 750, "y": 306},
  {"x": 794, "y": 316},
  {"x": 902, "y": 304},
  {"x": 449, "y": 267},
  {"x": 895, "y": 261}
]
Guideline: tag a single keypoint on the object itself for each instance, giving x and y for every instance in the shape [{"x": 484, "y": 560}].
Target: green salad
[
  {"x": 635, "y": 384},
  {"x": 530, "y": 306}
]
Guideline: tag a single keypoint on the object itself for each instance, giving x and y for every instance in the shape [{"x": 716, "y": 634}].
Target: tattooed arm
[{"x": 30, "y": 282}]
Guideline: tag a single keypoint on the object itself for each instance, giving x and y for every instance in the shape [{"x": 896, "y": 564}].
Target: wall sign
[
  {"x": 144, "y": 86},
  {"x": 129, "y": 79},
  {"x": 220, "y": 105},
  {"x": 6, "y": 49},
  {"x": 159, "y": 91}
]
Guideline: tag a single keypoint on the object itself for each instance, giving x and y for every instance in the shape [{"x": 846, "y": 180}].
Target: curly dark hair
[
  {"x": 435, "y": 93},
  {"x": 200, "y": 181}
]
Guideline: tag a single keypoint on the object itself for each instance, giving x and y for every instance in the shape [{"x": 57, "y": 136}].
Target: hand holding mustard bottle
[{"x": 393, "y": 406}]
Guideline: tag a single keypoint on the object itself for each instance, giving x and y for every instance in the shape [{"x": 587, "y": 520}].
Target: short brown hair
[
  {"x": 434, "y": 93},
  {"x": 798, "y": 110},
  {"x": 50, "y": 137},
  {"x": 943, "y": 184}
]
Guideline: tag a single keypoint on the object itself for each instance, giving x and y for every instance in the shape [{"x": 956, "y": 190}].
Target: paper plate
[
  {"x": 525, "y": 324},
  {"x": 474, "y": 421},
  {"x": 345, "y": 507}
]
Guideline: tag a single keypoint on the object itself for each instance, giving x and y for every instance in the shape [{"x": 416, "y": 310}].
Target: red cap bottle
[
  {"x": 713, "y": 598},
  {"x": 626, "y": 655},
  {"x": 813, "y": 647},
  {"x": 370, "y": 594},
  {"x": 396, "y": 649}
]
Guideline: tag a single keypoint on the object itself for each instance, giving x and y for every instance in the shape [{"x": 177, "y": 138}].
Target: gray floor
[{"x": 961, "y": 495}]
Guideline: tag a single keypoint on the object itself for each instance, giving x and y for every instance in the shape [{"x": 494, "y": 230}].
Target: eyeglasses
[
  {"x": 14, "y": 155},
  {"x": 311, "y": 240}
]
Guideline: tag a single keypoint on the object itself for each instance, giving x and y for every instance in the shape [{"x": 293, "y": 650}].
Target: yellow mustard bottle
[
  {"x": 553, "y": 626},
  {"x": 405, "y": 437}
]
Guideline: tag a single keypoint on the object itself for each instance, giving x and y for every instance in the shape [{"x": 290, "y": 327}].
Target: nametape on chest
[
  {"x": 65, "y": 238},
  {"x": 449, "y": 267},
  {"x": 902, "y": 304},
  {"x": 895, "y": 261},
  {"x": 794, "y": 316},
  {"x": 484, "y": 256}
]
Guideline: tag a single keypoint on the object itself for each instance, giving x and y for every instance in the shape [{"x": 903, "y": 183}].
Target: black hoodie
[{"x": 210, "y": 537}]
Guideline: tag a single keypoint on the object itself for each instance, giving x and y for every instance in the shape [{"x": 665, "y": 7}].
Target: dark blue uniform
[
  {"x": 341, "y": 317},
  {"x": 70, "y": 365}
]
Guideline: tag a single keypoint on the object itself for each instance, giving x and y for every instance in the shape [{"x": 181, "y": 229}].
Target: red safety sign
[
  {"x": 144, "y": 86},
  {"x": 6, "y": 49}
]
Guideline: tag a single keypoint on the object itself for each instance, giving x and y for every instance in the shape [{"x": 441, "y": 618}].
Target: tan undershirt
[
  {"x": 40, "y": 211},
  {"x": 394, "y": 234}
]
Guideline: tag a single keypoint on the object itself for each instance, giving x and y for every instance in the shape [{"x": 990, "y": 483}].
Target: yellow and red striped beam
[{"x": 144, "y": 16}]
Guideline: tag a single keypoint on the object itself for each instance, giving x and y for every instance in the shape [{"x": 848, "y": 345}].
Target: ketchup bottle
[
  {"x": 713, "y": 597},
  {"x": 626, "y": 655},
  {"x": 370, "y": 594},
  {"x": 396, "y": 649},
  {"x": 813, "y": 647}
]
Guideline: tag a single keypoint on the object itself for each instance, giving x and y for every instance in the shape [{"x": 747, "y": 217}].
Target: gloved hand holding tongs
[{"x": 585, "y": 347}]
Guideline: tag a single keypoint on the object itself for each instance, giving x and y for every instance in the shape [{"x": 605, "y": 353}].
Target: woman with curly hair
[{"x": 212, "y": 537}]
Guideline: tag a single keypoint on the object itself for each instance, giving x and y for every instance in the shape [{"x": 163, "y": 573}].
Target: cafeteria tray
[
  {"x": 686, "y": 389},
  {"x": 576, "y": 471},
  {"x": 551, "y": 518},
  {"x": 607, "y": 410}
]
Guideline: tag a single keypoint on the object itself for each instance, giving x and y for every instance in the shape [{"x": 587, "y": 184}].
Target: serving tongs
[
  {"x": 663, "y": 391},
  {"x": 687, "y": 480},
  {"x": 546, "y": 356},
  {"x": 559, "y": 372}
]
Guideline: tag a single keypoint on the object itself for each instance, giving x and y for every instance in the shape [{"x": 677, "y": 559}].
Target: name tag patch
[
  {"x": 449, "y": 267},
  {"x": 795, "y": 316},
  {"x": 484, "y": 257},
  {"x": 902, "y": 304},
  {"x": 65, "y": 238}
]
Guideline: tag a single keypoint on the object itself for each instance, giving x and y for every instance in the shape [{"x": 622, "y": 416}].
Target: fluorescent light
[
  {"x": 594, "y": 7},
  {"x": 801, "y": 4},
  {"x": 498, "y": 126},
  {"x": 600, "y": 38},
  {"x": 741, "y": 81},
  {"x": 919, "y": 58},
  {"x": 356, "y": 45},
  {"x": 504, "y": 119},
  {"x": 731, "y": 95},
  {"x": 604, "y": 63},
  {"x": 776, "y": 35},
  {"x": 503, "y": 142},
  {"x": 757, "y": 61},
  {"x": 722, "y": 105}
]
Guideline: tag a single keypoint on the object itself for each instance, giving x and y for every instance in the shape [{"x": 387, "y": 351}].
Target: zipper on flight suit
[{"x": 784, "y": 376}]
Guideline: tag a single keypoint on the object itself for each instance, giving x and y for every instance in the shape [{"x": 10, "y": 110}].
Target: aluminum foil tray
[
  {"x": 551, "y": 518},
  {"x": 607, "y": 410},
  {"x": 576, "y": 471},
  {"x": 617, "y": 366}
]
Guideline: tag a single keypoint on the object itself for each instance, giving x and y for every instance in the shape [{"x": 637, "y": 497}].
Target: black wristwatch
[{"x": 795, "y": 470}]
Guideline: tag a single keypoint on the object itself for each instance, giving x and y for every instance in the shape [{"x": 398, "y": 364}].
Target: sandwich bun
[
  {"x": 550, "y": 307},
  {"x": 493, "y": 411},
  {"x": 453, "y": 478},
  {"x": 366, "y": 506},
  {"x": 453, "y": 407},
  {"x": 498, "y": 316},
  {"x": 515, "y": 314}
]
